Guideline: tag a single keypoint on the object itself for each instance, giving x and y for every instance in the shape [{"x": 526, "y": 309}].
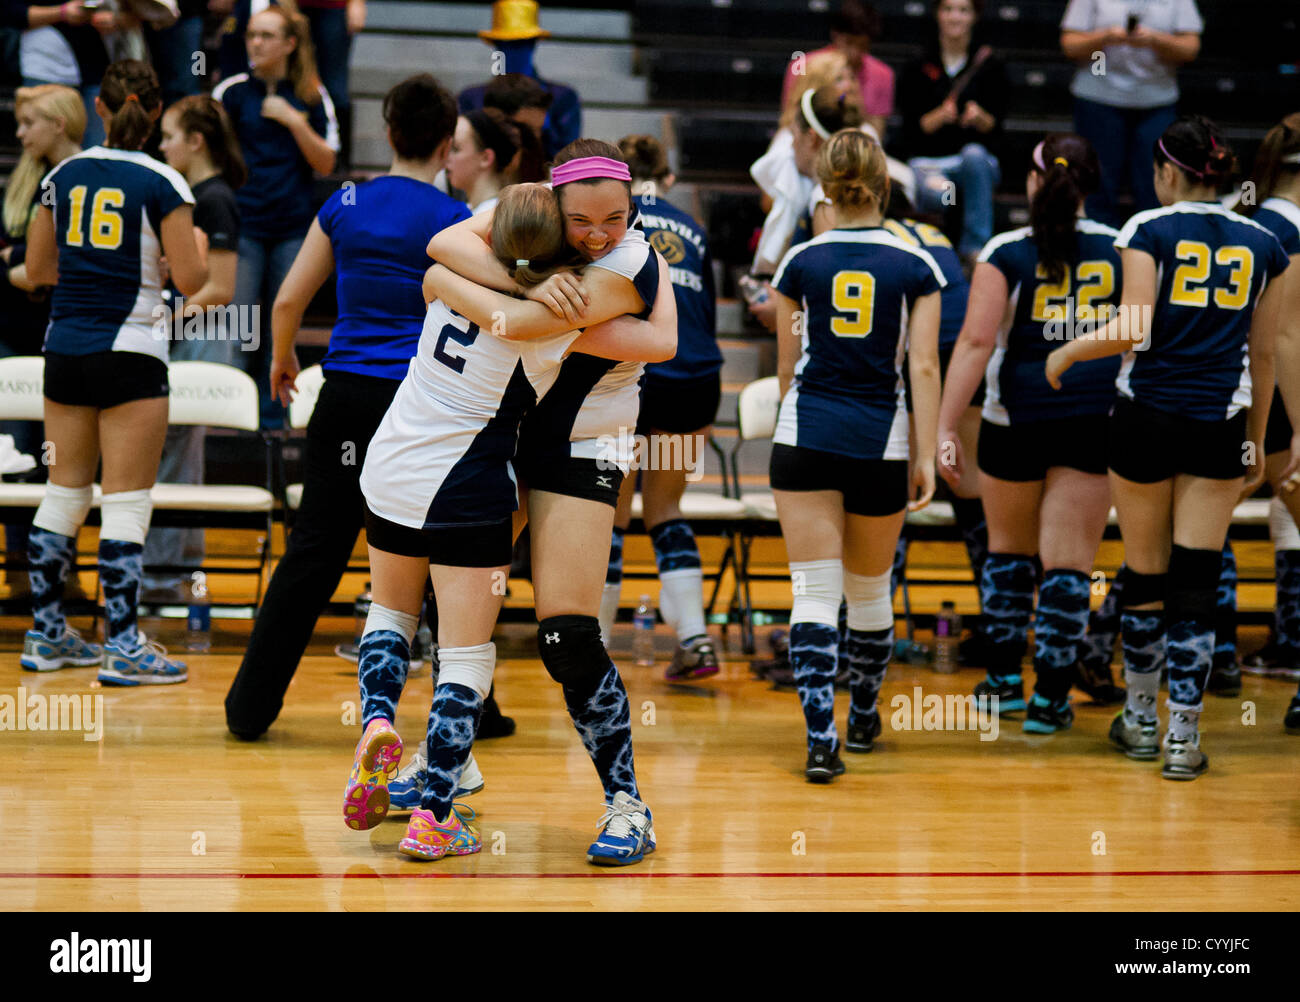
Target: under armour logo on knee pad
[
  {"x": 552, "y": 638},
  {"x": 603, "y": 482}
]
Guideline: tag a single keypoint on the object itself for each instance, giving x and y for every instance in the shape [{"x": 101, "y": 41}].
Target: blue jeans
[
  {"x": 173, "y": 51},
  {"x": 975, "y": 173},
  {"x": 333, "y": 45},
  {"x": 1124, "y": 139},
  {"x": 263, "y": 263}
]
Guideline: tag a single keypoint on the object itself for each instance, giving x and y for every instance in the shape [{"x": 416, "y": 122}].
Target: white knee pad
[
  {"x": 871, "y": 606},
  {"x": 63, "y": 509},
  {"x": 382, "y": 618},
  {"x": 1282, "y": 527},
  {"x": 125, "y": 516},
  {"x": 817, "y": 586},
  {"x": 471, "y": 667}
]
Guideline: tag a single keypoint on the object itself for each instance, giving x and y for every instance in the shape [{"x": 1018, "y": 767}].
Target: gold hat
[{"x": 513, "y": 21}]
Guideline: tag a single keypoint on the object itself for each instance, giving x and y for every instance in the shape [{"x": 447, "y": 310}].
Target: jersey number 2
[
  {"x": 456, "y": 363},
  {"x": 105, "y": 224},
  {"x": 853, "y": 292}
]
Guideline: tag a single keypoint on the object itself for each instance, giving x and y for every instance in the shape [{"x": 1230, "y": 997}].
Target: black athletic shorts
[
  {"x": 1146, "y": 445},
  {"x": 945, "y": 356},
  {"x": 104, "y": 379},
  {"x": 454, "y": 546},
  {"x": 1277, "y": 435},
  {"x": 575, "y": 478},
  {"x": 679, "y": 406},
  {"x": 1025, "y": 452},
  {"x": 870, "y": 486}
]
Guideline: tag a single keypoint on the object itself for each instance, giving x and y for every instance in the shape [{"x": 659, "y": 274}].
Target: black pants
[{"x": 347, "y": 414}]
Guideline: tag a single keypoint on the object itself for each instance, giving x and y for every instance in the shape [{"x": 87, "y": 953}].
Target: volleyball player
[
  {"x": 679, "y": 399},
  {"x": 1186, "y": 434},
  {"x": 1042, "y": 453},
  {"x": 488, "y": 152},
  {"x": 850, "y": 304},
  {"x": 113, "y": 212}
]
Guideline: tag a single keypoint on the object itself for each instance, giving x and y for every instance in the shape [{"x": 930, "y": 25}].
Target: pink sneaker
[
  {"x": 365, "y": 802},
  {"x": 427, "y": 839}
]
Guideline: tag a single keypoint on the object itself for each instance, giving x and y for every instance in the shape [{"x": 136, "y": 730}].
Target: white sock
[
  {"x": 681, "y": 600},
  {"x": 609, "y": 599}
]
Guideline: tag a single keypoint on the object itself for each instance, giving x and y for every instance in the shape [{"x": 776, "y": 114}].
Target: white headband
[
  {"x": 1294, "y": 158},
  {"x": 806, "y": 103}
]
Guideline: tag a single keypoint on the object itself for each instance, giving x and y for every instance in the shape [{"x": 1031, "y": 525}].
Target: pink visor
[{"x": 589, "y": 167}]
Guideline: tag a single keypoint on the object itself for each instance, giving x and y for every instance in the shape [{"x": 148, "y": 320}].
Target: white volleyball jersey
[{"x": 441, "y": 456}]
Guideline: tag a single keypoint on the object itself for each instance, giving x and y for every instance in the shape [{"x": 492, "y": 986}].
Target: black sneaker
[
  {"x": 1225, "y": 680},
  {"x": 1047, "y": 718},
  {"x": 1265, "y": 659},
  {"x": 1292, "y": 719},
  {"x": 1098, "y": 682},
  {"x": 973, "y": 651},
  {"x": 492, "y": 724},
  {"x": 861, "y": 736},
  {"x": 782, "y": 677},
  {"x": 1010, "y": 693},
  {"x": 823, "y": 765}
]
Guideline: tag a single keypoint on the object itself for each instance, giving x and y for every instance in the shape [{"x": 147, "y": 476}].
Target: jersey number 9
[
  {"x": 853, "y": 292},
  {"x": 105, "y": 224},
  {"x": 1196, "y": 272}
]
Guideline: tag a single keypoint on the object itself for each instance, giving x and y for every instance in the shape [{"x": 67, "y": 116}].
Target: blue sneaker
[
  {"x": 148, "y": 664},
  {"x": 40, "y": 653},
  {"x": 627, "y": 833},
  {"x": 404, "y": 792}
]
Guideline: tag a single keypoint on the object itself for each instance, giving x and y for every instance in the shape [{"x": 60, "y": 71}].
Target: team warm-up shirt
[
  {"x": 1213, "y": 266},
  {"x": 1281, "y": 218},
  {"x": 379, "y": 232},
  {"x": 1044, "y": 314},
  {"x": 108, "y": 210},
  {"x": 954, "y": 295},
  {"x": 682, "y": 243},
  {"x": 856, "y": 288}
]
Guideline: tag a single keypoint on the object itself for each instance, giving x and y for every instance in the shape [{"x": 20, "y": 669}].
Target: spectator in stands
[
  {"x": 1126, "y": 88},
  {"x": 952, "y": 100},
  {"x": 333, "y": 23},
  {"x": 51, "y": 122},
  {"x": 489, "y": 152},
  {"x": 853, "y": 28},
  {"x": 285, "y": 123},
  {"x": 514, "y": 33},
  {"x": 521, "y": 99}
]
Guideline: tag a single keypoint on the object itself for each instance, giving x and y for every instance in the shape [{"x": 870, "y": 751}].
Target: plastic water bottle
[
  {"x": 946, "y": 631},
  {"x": 361, "y": 610},
  {"x": 198, "y": 621},
  {"x": 643, "y": 632}
]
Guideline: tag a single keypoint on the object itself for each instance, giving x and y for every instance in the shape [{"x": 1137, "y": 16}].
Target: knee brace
[
  {"x": 870, "y": 604},
  {"x": 1140, "y": 589},
  {"x": 1282, "y": 527},
  {"x": 382, "y": 618},
  {"x": 571, "y": 650},
  {"x": 125, "y": 516},
  {"x": 817, "y": 586},
  {"x": 1193, "y": 583},
  {"x": 63, "y": 510},
  {"x": 471, "y": 667}
]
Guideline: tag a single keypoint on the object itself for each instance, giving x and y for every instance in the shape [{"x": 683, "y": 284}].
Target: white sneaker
[
  {"x": 405, "y": 791},
  {"x": 627, "y": 833}
]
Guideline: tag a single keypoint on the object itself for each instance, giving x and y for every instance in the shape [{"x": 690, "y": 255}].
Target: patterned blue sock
[
  {"x": 614, "y": 574},
  {"x": 1286, "y": 622},
  {"x": 868, "y": 653},
  {"x": 1059, "y": 627},
  {"x": 969, "y": 516},
  {"x": 382, "y": 664},
  {"x": 1007, "y": 597},
  {"x": 121, "y": 565},
  {"x": 603, "y": 720},
  {"x": 1143, "y": 632},
  {"x": 49, "y": 556},
  {"x": 813, "y": 657},
  {"x": 842, "y": 637},
  {"x": 1190, "y": 652},
  {"x": 1225, "y": 617},
  {"x": 900, "y": 564},
  {"x": 1098, "y": 647},
  {"x": 674, "y": 545},
  {"x": 453, "y": 722}
]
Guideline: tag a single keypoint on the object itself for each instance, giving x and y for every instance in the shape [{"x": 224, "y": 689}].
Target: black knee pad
[
  {"x": 572, "y": 651},
  {"x": 1193, "y": 583},
  {"x": 1139, "y": 589}
]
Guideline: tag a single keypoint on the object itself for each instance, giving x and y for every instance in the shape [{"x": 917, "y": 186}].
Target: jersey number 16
[{"x": 105, "y": 223}]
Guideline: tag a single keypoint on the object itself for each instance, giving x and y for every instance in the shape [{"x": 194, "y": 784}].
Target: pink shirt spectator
[{"x": 875, "y": 78}]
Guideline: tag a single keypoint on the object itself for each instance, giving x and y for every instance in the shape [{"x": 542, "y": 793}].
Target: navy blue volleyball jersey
[
  {"x": 1212, "y": 267},
  {"x": 1043, "y": 315},
  {"x": 1281, "y": 218},
  {"x": 856, "y": 288},
  {"x": 681, "y": 242},
  {"x": 957, "y": 291},
  {"x": 379, "y": 232},
  {"x": 108, "y": 210},
  {"x": 276, "y": 202}
]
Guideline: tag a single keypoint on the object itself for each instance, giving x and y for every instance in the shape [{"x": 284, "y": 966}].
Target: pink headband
[
  {"x": 1170, "y": 157},
  {"x": 589, "y": 167}
]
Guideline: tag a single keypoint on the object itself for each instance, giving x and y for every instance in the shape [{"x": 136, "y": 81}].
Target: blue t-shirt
[
  {"x": 856, "y": 288},
  {"x": 957, "y": 291},
  {"x": 108, "y": 210},
  {"x": 276, "y": 201},
  {"x": 681, "y": 242},
  {"x": 1045, "y": 314},
  {"x": 379, "y": 232},
  {"x": 1212, "y": 267}
]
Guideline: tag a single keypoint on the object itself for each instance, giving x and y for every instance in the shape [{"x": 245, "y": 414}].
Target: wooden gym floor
[{"x": 167, "y": 811}]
